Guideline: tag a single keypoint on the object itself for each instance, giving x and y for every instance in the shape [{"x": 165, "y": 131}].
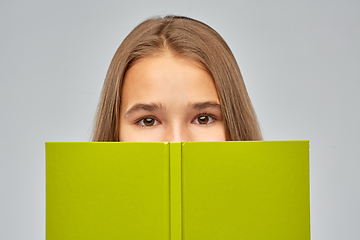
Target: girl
[{"x": 174, "y": 79}]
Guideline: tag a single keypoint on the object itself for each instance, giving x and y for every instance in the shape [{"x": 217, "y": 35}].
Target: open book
[{"x": 189, "y": 190}]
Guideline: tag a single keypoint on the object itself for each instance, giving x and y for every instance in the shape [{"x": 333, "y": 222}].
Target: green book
[{"x": 178, "y": 191}]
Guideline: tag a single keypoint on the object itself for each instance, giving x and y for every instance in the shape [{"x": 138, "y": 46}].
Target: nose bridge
[{"x": 177, "y": 132}]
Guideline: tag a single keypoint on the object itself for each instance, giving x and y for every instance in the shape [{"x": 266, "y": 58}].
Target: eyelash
[{"x": 205, "y": 114}]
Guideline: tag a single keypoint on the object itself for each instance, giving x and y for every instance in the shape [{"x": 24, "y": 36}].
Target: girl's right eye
[{"x": 148, "y": 122}]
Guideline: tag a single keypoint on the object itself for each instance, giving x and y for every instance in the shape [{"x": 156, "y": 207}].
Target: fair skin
[{"x": 166, "y": 98}]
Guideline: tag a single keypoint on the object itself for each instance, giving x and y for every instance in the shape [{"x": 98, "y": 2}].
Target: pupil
[
  {"x": 149, "y": 122},
  {"x": 203, "y": 119}
]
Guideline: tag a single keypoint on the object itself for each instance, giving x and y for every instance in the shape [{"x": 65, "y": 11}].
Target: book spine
[{"x": 175, "y": 191}]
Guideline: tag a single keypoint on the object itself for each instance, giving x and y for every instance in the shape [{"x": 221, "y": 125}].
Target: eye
[
  {"x": 204, "y": 119},
  {"x": 148, "y": 122}
]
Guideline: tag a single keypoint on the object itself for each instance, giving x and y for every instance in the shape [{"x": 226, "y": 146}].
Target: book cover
[{"x": 189, "y": 190}]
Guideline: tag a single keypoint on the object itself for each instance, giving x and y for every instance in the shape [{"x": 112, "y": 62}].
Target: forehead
[{"x": 169, "y": 80}]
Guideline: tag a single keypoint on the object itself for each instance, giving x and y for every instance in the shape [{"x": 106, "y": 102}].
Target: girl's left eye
[
  {"x": 204, "y": 119},
  {"x": 148, "y": 122}
]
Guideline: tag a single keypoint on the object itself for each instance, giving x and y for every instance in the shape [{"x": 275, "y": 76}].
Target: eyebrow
[
  {"x": 203, "y": 105},
  {"x": 152, "y": 107}
]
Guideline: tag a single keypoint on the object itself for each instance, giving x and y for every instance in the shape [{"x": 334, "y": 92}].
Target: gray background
[{"x": 298, "y": 59}]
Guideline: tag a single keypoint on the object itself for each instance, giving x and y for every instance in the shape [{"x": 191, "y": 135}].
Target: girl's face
[{"x": 169, "y": 99}]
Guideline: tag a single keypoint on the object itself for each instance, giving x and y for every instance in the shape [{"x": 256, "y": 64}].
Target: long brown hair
[{"x": 184, "y": 37}]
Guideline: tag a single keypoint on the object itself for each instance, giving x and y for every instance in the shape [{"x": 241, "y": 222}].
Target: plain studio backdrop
[{"x": 299, "y": 59}]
